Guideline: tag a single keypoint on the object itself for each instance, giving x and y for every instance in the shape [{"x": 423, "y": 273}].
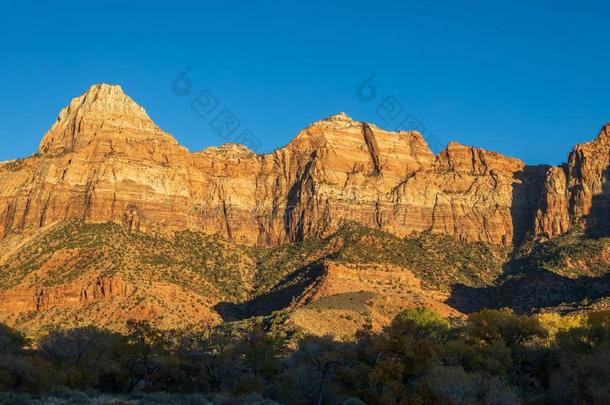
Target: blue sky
[{"x": 527, "y": 79}]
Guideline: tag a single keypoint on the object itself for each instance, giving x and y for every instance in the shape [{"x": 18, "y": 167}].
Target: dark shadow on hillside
[
  {"x": 527, "y": 189},
  {"x": 530, "y": 290},
  {"x": 293, "y": 216},
  {"x": 291, "y": 287},
  {"x": 598, "y": 219}
]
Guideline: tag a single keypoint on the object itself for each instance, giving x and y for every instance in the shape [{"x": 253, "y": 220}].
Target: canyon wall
[
  {"x": 577, "y": 193},
  {"x": 105, "y": 160}
]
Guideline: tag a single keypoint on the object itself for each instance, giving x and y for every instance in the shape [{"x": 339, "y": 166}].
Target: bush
[{"x": 495, "y": 357}]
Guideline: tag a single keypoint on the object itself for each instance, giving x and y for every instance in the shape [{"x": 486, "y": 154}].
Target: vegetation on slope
[
  {"x": 567, "y": 272},
  {"x": 275, "y": 263},
  {"x": 194, "y": 259},
  {"x": 571, "y": 255},
  {"x": 246, "y": 281},
  {"x": 204, "y": 264},
  {"x": 439, "y": 261}
]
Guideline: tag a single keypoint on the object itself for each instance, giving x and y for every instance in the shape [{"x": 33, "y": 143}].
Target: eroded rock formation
[
  {"x": 578, "y": 194},
  {"x": 105, "y": 160}
]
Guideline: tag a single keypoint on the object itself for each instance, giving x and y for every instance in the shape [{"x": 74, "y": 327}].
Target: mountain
[
  {"x": 112, "y": 219},
  {"x": 105, "y": 160}
]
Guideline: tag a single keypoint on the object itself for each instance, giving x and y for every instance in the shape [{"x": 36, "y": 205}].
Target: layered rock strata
[{"x": 105, "y": 160}]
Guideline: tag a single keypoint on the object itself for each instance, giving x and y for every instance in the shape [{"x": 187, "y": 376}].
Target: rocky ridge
[{"x": 104, "y": 160}]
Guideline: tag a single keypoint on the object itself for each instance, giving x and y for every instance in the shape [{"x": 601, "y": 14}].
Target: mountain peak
[
  {"x": 340, "y": 119},
  {"x": 604, "y": 134},
  {"x": 105, "y": 87},
  {"x": 340, "y": 116},
  {"x": 102, "y": 111},
  {"x": 103, "y": 97}
]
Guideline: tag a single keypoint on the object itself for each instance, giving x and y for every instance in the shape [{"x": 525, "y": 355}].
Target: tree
[
  {"x": 11, "y": 341},
  {"x": 404, "y": 351},
  {"x": 88, "y": 357},
  {"x": 489, "y": 326},
  {"x": 21, "y": 369}
]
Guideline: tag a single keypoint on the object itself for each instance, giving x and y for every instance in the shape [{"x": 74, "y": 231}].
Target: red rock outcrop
[
  {"x": 23, "y": 299},
  {"x": 579, "y": 193},
  {"x": 552, "y": 216},
  {"x": 101, "y": 288},
  {"x": 105, "y": 160}
]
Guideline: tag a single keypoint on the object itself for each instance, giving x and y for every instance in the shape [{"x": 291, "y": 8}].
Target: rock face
[
  {"x": 102, "y": 288},
  {"x": 105, "y": 160},
  {"x": 578, "y": 194},
  {"x": 552, "y": 217}
]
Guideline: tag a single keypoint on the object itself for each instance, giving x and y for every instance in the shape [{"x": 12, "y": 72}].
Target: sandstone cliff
[
  {"x": 105, "y": 160},
  {"x": 577, "y": 194}
]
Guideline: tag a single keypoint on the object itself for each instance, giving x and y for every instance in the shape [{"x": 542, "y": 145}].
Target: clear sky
[{"x": 527, "y": 79}]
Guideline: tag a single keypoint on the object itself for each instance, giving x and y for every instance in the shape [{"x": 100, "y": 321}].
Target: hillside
[
  {"x": 570, "y": 273},
  {"x": 73, "y": 273}
]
